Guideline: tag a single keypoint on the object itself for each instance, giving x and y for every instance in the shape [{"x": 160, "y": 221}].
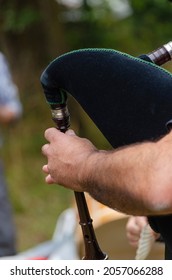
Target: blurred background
[{"x": 33, "y": 33}]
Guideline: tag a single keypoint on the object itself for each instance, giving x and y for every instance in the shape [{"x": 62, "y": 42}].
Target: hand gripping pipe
[
  {"x": 61, "y": 117},
  {"x": 57, "y": 99}
]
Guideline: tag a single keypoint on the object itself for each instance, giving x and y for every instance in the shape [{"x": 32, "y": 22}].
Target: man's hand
[
  {"x": 134, "y": 228},
  {"x": 67, "y": 155}
]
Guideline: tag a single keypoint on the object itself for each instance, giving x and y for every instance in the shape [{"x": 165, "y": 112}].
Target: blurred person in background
[{"x": 10, "y": 111}]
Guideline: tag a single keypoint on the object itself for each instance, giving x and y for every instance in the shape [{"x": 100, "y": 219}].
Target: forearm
[
  {"x": 117, "y": 178},
  {"x": 136, "y": 180},
  {"x": 127, "y": 180}
]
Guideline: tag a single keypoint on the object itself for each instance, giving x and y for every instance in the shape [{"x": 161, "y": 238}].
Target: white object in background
[{"x": 146, "y": 242}]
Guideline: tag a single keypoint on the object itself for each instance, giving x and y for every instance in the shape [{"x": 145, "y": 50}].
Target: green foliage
[
  {"x": 151, "y": 21},
  {"x": 148, "y": 26},
  {"x": 19, "y": 20}
]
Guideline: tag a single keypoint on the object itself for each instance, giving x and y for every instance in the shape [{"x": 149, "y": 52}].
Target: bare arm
[{"x": 136, "y": 180}]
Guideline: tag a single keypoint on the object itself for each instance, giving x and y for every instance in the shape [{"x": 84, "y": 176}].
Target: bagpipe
[{"x": 128, "y": 98}]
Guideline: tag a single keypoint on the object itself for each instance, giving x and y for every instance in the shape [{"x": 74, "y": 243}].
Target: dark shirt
[{"x": 163, "y": 224}]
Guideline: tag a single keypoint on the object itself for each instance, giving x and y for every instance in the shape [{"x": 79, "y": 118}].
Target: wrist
[{"x": 91, "y": 168}]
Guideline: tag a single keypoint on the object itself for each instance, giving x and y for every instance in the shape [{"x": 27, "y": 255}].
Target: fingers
[
  {"x": 45, "y": 149},
  {"x": 55, "y": 138},
  {"x": 48, "y": 178},
  {"x": 133, "y": 235},
  {"x": 52, "y": 134},
  {"x": 135, "y": 224},
  {"x": 134, "y": 228},
  {"x": 45, "y": 169},
  {"x": 141, "y": 221}
]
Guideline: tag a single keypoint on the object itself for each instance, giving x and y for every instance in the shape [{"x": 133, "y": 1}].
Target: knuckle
[
  {"x": 45, "y": 149},
  {"x": 49, "y": 132}
]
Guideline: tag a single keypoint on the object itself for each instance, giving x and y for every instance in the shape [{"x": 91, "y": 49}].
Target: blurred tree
[
  {"x": 151, "y": 22},
  {"x": 126, "y": 25},
  {"x": 34, "y": 32},
  {"x": 31, "y": 35}
]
